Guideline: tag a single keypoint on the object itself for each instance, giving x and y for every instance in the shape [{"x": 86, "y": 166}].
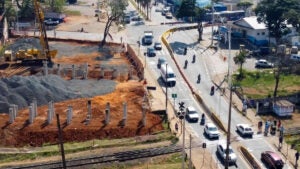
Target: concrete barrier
[{"x": 249, "y": 158}]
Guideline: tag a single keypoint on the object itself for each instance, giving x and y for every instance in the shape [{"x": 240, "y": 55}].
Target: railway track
[{"x": 108, "y": 158}]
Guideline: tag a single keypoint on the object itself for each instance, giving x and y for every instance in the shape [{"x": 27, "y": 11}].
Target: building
[
  {"x": 249, "y": 29},
  {"x": 283, "y": 108}
]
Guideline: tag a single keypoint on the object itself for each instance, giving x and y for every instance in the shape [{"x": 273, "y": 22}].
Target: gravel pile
[{"x": 21, "y": 90}]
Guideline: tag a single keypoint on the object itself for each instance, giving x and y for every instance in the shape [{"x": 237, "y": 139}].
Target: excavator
[{"x": 35, "y": 57}]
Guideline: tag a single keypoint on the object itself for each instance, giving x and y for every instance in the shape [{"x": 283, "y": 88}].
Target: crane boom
[{"x": 43, "y": 35}]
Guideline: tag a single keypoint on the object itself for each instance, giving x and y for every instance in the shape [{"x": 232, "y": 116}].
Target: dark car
[
  {"x": 136, "y": 18},
  {"x": 151, "y": 52},
  {"x": 272, "y": 160},
  {"x": 157, "y": 46},
  {"x": 51, "y": 22}
]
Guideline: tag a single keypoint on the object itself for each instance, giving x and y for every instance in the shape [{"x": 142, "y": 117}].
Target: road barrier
[{"x": 249, "y": 158}]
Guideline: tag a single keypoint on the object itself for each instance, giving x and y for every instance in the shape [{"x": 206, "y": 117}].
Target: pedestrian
[
  {"x": 280, "y": 141},
  {"x": 279, "y": 124},
  {"x": 297, "y": 158},
  {"x": 281, "y": 130}
]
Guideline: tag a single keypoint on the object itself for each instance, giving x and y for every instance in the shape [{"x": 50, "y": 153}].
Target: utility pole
[
  {"x": 60, "y": 136},
  {"x": 230, "y": 99},
  {"x": 181, "y": 115},
  {"x": 212, "y": 22},
  {"x": 190, "y": 160},
  {"x": 166, "y": 116}
]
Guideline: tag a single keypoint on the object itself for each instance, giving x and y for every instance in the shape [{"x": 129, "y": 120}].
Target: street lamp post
[
  {"x": 212, "y": 22},
  {"x": 230, "y": 99}
]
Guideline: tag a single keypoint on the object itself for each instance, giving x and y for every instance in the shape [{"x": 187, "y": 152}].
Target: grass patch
[
  {"x": 53, "y": 150},
  {"x": 294, "y": 140},
  {"x": 260, "y": 84},
  {"x": 72, "y": 13}
]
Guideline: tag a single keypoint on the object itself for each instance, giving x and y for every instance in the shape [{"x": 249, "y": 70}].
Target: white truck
[
  {"x": 148, "y": 37},
  {"x": 167, "y": 75}
]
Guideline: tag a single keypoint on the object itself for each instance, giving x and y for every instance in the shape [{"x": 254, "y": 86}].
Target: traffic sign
[{"x": 174, "y": 95}]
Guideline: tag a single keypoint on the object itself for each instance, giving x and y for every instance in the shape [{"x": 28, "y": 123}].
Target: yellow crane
[{"x": 35, "y": 56}]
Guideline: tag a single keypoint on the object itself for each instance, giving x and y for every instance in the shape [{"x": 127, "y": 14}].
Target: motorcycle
[{"x": 212, "y": 90}]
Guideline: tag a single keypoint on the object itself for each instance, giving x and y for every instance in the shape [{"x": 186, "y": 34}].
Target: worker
[{"x": 297, "y": 158}]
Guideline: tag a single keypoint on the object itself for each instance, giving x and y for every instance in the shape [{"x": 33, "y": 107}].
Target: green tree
[
  {"x": 244, "y": 5},
  {"x": 240, "y": 59},
  {"x": 276, "y": 14},
  {"x": 115, "y": 10},
  {"x": 56, "y": 5},
  {"x": 187, "y": 9},
  {"x": 26, "y": 10}
]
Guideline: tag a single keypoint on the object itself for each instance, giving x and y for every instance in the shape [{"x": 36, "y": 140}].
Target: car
[
  {"x": 221, "y": 151},
  {"x": 211, "y": 130},
  {"x": 169, "y": 15},
  {"x": 51, "y": 22},
  {"x": 157, "y": 46},
  {"x": 244, "y": 130},
  {"x": 262, "y": 63},
  {"x": 161, "y": 61},
  {"x": 127, "y": 18},
  {"x": 272, "y": 160},
  {"x": 191, "y": 114},
  {"x": 151, "y": 52},
  {"x": 295, "y": 57},
  {"x": 136, "y": 18}
]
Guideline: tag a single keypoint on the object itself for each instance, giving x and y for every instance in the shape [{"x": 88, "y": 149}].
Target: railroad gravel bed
[{"x": 22, "y": 90}]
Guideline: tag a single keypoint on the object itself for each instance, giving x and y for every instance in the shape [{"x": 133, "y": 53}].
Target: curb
[{"x": 249, "y": 158}]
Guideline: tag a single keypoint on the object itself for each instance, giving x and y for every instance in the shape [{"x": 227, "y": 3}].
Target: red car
[{"x": 272, "y": 160}]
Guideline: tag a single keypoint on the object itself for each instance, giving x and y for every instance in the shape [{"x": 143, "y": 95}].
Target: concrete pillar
[
  {"x": 85, "y": 71},
  {"x": 32, "y": 105},
  {"x": 107, "y": 116},
  {"x": 16, "y": 109},
  {"x": 35, "y": 106},
  {"x": 11, "y": 115},
  {"x": 45, "y": 67},
  {"x": 58, "y": 70},
  {"x": 107, "y": 106},
  {"x": 49, "y": 116},
  {"x": 144, "y": 110},
  {"x": 31, "y": 114},
  {"x": 101, "y": 73},
  {"x": 69, "y": 115},
  {"x": 73, "y": 72},
  {"x": 124, "y": 112}
]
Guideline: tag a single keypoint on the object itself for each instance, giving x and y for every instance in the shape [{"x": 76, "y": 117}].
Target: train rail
[{"x": 108, "y": 158}]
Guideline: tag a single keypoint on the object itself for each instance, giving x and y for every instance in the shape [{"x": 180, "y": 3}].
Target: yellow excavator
[{"x": 35, "y": 56}]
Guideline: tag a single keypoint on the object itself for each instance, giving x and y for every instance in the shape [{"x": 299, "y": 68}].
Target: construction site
[{"x": 98, "y": 92}]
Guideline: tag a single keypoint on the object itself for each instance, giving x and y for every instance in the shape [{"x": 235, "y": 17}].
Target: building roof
[
  {"x": 250, "y": 22},
  {"x": 284, "y": 103}
]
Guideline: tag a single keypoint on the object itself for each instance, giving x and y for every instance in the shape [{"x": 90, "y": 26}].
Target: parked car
[
  {"x": 161, "y": 60},
  {"x": 127, "y": 18},
  {"x": 136, "y": 18},
  {"x": 151, "y": 52},
  {"x": 169, "y": 15},
  {"x": 221, "y": 151},
  {"x": 211, "y": 131},
  {"x": 51, "y": 22},
  {"x": 191, "y": 114},
  {"x": 272, "y": 160},
  {"x": 262, "y": 63},
  {"x": 295, "y": 57},
  {"x": 157, "y": 46},
  {"x": 244, "y": 130}
]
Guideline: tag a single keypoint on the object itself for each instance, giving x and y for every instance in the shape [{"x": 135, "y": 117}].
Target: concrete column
[
  {"x": 107, "y": 106},
  {"x": 69, "y": 115},
  {"x": 124, "y": 112},
  {"x": 86, "y": 71},
  {"x": 101, "y": 73},
  {"x": 144, "y": 110},
  {"x": 45, "y": 67},
  {"x": 107, "y": 116},
  {"x": 35, "y": 106},
  {"x": 49, "y": 116},
  {"x": 32, "y": 105},
  {"x": 73, "y": 72},
  {"x": 31, "y": 114},
  {"x": 58, "y": 70},
  {"x": 11, "y": 115}
]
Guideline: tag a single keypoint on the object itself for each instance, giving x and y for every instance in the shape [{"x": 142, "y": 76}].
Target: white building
[{"x": 257, "y": 33}]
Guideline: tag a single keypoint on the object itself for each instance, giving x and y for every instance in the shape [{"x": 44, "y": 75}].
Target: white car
[
  {"x": 211, "y": 130},
  {"x": 244, "y": 130},
  {"x": 221, "y": 151},
  {"x": 191, "y": 114},
  {"x": 262, "y": 63}
]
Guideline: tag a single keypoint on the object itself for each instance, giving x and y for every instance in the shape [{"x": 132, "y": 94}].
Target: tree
[
  {"x": 187, "y": 9},
  {"x": 276, "y": 14},
  {"x": 240, "y": 59},
  {"x": 115, "y": 11},
  {"x": 244, "y": 5},
  {"x": 56, "y": 5},
  {"x": 200, "y": 13}
]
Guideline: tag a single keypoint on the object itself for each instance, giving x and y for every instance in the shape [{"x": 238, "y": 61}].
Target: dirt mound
[{"x": 21, "y": 133}]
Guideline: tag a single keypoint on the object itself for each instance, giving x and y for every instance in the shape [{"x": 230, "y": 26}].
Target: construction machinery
[{"x": 33, "y": 56}]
